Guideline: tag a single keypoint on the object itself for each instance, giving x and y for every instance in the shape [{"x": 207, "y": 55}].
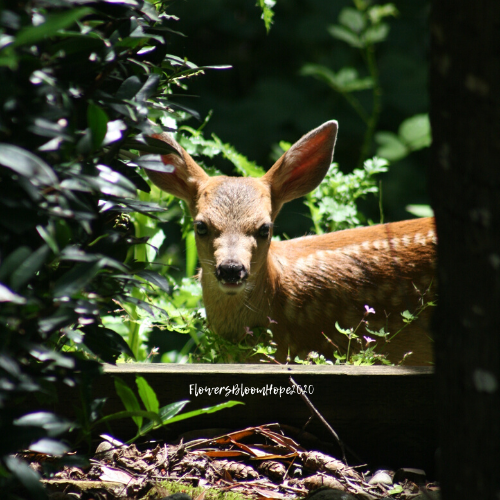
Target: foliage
[
  {"x": 157, "y": 417},
  {"x": 75, "y": 100},
  {"x": 361, "y": 27},
  {"x": 413, "y": 134},
  {"x": 333, "y": 203},
  {"x": 267, "y": 12},
  {"x": 367, "y": 354}
]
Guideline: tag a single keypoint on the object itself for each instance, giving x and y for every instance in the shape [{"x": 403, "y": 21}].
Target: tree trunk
[{"x": 465, "y": 193}]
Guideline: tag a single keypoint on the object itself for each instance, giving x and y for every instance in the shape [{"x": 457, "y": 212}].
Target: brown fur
[{"x": 308, "y": 284}]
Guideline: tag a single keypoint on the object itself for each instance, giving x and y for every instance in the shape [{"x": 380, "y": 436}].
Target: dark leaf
[
  {"x": 26, "y": 476},
  {"x": 106, "y": 343},
  {"x": 129, "y": 88},
  {"x": 29, "y": 267},
  {"x": 154, "y": 162},
  {"x": 27, "y": 164},
  {"x": 54, "y": 23},
  {"x": 156, "y": 279},
  {"x": 149, "y": 88},
  {"x": 44, "y": 354},
  {"x": 149, "y": 145},
  {"x": 97, "y": 120},
  {"x": 75, "y": 280},
  {"x": 52, "y": 424},
  {"x": 140, "y": 303}
]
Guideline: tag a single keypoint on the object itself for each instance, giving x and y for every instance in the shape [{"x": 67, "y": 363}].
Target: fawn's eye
[
  {"x": 264, "y": 230},
  {"x": 201, "y": 228}
]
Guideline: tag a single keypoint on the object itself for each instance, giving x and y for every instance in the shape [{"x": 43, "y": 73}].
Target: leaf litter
[{"x": 257, "y": 462}]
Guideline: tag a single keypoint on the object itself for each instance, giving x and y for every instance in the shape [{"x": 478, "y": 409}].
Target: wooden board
[{"x": 385, "y": 415}]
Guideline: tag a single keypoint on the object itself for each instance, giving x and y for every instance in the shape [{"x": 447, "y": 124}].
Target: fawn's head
[{"x": 233, "y": 216}]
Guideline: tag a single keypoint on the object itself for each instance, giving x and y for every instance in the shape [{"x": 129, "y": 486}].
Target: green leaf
[
  {"x": 97, "y": 120},
  {"x": 390, "y": 146},
  {"x": 191, "y": 254},
  {"x": 138, "y": 414},
  {"x": 203, "y": 411},
  {"x": 267, "y": 12},
  {"x": 27, "y": 164},
  {"x": 346, "y": 35},
  {"x": 416, "y": 131},
  {"x": 166, "y": 413},
  {"x": 147, "y": 395},
  {"x": 129, "y": 400},
  {"x": 420, "y": 210},
  {"x": 377, "y": 33},
  {"x": 378, "y": 12},
  {"x": 352, "y": 19},
  {"x": 347, "y": 80},
  {"x": 54, "y": 23},
  {"x": 242, "y": 164}
]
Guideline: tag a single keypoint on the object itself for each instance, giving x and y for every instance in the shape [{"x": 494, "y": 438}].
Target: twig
[{"x": 315, "y": 412}]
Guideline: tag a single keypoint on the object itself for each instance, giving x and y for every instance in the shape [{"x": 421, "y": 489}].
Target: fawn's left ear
[{"x": 303, "y": 166}]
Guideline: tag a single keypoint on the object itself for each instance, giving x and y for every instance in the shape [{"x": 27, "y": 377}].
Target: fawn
[{"x": 304, "y": 285}]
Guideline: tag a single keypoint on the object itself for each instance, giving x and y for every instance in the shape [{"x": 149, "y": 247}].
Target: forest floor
[{"x": 256, "y": 462}]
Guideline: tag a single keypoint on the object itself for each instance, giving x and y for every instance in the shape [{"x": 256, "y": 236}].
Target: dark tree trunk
[{"x": 465, "y": 191}]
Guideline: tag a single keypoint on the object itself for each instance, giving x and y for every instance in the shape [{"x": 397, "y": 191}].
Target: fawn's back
[{"x": 305, "y": 285}]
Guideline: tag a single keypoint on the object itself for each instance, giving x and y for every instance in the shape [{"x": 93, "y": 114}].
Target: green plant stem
[
  {"x": 356, "y": 105},
  {"x": 377, "y": 105}
]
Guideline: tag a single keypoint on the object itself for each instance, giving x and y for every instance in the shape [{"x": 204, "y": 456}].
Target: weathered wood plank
[{"x": 384, "y": 414}]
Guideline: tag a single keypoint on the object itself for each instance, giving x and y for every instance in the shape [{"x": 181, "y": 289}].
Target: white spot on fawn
[
  {"x": 365, "y": 245},
  {"x": 395, "y": 243},
  {"x": 406, "y": 240}
]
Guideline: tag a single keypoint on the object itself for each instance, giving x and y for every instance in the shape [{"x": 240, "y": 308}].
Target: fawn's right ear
[{"x": 186, "y": 177}]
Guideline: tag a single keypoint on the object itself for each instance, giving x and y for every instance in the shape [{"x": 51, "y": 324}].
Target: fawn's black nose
[{"x": 231, "y": 271}]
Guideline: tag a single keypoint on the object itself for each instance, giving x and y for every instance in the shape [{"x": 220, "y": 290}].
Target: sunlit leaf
[
  {"x": 147, "y": 395},
  {"x": 416, "y": 131},
  {"x": 128, "y": 399}
]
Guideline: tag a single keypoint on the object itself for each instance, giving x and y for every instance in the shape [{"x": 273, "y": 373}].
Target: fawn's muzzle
[{"x": 231, "y": 275}]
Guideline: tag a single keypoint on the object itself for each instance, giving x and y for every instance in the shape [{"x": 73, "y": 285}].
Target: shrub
[{"x": 74, "y": 104}]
